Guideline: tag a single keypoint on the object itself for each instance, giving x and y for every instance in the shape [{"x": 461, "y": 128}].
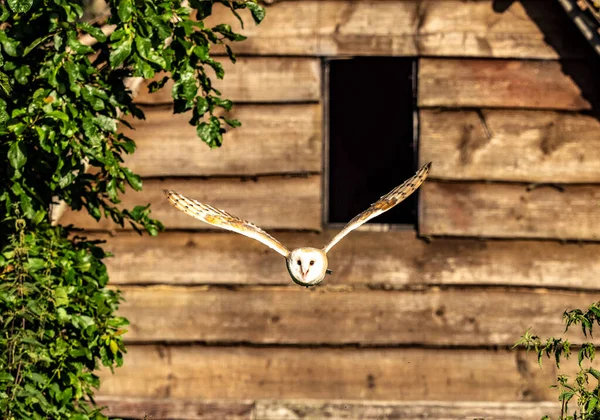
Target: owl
[{"x": 307, "y": 266}]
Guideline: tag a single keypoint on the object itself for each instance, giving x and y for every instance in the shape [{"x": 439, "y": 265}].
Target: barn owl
[{"x": 306, "y": 265}]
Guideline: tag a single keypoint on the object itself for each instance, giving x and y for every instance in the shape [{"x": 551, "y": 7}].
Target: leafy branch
[
  {"x": 585, "y": 387},
  {"x": 62, "y": 99}
]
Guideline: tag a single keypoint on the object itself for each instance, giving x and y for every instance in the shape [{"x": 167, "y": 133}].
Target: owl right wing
[
  {"x": 224, "y": 220},
  {"x": 385, "y": 203}
]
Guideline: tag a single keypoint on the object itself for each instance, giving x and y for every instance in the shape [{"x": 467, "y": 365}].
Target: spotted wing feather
[
  {"x": 224, "y": 220},
  {"x": 385, "y": 203}
]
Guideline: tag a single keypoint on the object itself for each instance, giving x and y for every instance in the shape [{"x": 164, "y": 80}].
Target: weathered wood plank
[
  {"x": 176, "y": 409},
  {"x": 499, "y": 83},
  {"x": 273, "y": 139},
  {"x": 510, "y": 210},
  {"x": 256, "y": 79},
  {"x": 267, "y": 315},
  {"x": 394, "y": 259},
  {"x": 273, "y": 202},
  {"x": 202, "y": 372},
  {"x": 515, "y": 145},
  {"x": 477, "y": 29},
  {"x": 404, "y": 28},
  {"x": 371, "y": 410},
  {"x": 169, "y": 409}
]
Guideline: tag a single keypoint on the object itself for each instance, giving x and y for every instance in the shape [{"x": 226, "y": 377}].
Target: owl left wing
[
  {"x": 385, "y": 203},
  {"x": 224, "y": 220}
]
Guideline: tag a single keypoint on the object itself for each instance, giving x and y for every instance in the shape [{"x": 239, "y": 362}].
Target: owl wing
[
  {"x": 382, "y": 205},
  {"x": 224, "y": 220}
]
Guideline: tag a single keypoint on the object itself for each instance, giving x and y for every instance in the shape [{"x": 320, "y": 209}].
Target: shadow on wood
[{"x": 586, "y": 75}]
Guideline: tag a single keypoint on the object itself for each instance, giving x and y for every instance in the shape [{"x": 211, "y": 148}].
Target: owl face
[{"x": 307, "y": 266}]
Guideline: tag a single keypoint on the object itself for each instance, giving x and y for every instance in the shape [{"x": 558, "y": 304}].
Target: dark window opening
[{"x": 371, "y": 105}]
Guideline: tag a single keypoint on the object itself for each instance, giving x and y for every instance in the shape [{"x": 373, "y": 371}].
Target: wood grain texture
[
  {"x": 515, "y": 145},
  {"x": 404, "y": 28},
  {"x": 187, "y": 409},
  {"x": 359, "y": 410},
  {"x": 510, "y": 210},
  {"x": 273, "y": 202},
  {"x": 177, "y": 409},
  {"x": 499, "y": 83},
  {"x": 293, "y": 315},
  {"x": 202, "y": 372},
  {"x": 390, "y": 259},
  {"x": 272, "y": 139},
  {"x": 256, "y": 79}
]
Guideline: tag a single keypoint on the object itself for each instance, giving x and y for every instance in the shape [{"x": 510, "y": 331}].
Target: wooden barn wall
[{"x": 405, "y": 328}]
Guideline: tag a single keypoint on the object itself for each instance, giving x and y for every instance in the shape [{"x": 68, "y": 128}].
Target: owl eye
[
  {"x": 299, "y": 263},
  {"x": 312, "y": 263}
]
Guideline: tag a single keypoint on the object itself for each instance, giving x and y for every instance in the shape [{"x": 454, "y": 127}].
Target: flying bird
[{"x": 306, "y": 265}]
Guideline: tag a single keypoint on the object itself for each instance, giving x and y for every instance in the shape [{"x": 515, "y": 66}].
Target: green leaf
[
  {"x": 10, "y": 45},
  {"x": 35, "y": 44},
  {"x": 158, "y": 84},
  {"x": 217, "y": 67},
  {"x": 232, "y": 122},
  {"x": 125, "y": 10},
  {"x": 88, "y": 94},
  {"x": 258, "y": 12},
  {"x": 134, "y": 180},
  {"x": 204, "y": 8},
  {"x": 3, "y": 114},
  {"x": 58, "y": 115},
  {"x": 201, "y": 105},
  {"x": 5, "y": 84},
  {"x": 61, "y": 297},
  {"x": 93, "y": 31},
  {"x": 226, "y": 31},
  {"x": 147, "y": 52},
  {"x": 591, "y": 405},
  {"x": 114, "y": 347},
  {"x": 106, "y": 123},
  {"x": 223, "y": 103},
  {"x": 22, "y": 74},
  {"x": 230, "y": 54},
  {"x": 20, "y": 6},
  {"x": 16, "y": 155},
  {"x": 77, "y": 46},
  {"x": 595, "y": 373},
  {"x": 121, "y": 52}
]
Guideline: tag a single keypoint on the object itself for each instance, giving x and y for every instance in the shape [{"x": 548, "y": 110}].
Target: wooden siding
[
  {"x": 457, "y": 82},
  {"x": 218, "y": 330},
  {"x": 273, "y": 202},
  {"x": 404, "y": 28},
  {"x": 206, "y": 372},
  {"x": 169, "y": 409},
  {"x": 510, "y": 210},
  {"x": 376, "y": 259},
  {"x": 510, "y": 145},
  {"x": 291, "y": 315},
  {"x": 273, "y": 139},
  {"x": 256, "y": 79}
]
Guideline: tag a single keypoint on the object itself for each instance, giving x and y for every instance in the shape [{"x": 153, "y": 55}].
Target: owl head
[{"x": 307, "y": 266}]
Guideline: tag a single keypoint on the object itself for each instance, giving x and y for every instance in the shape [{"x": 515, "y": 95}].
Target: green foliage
[
  {"x": 61, "y": 101},
  {"x": 585, "y": 387},
  {"x": 57, "y": 320}
]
